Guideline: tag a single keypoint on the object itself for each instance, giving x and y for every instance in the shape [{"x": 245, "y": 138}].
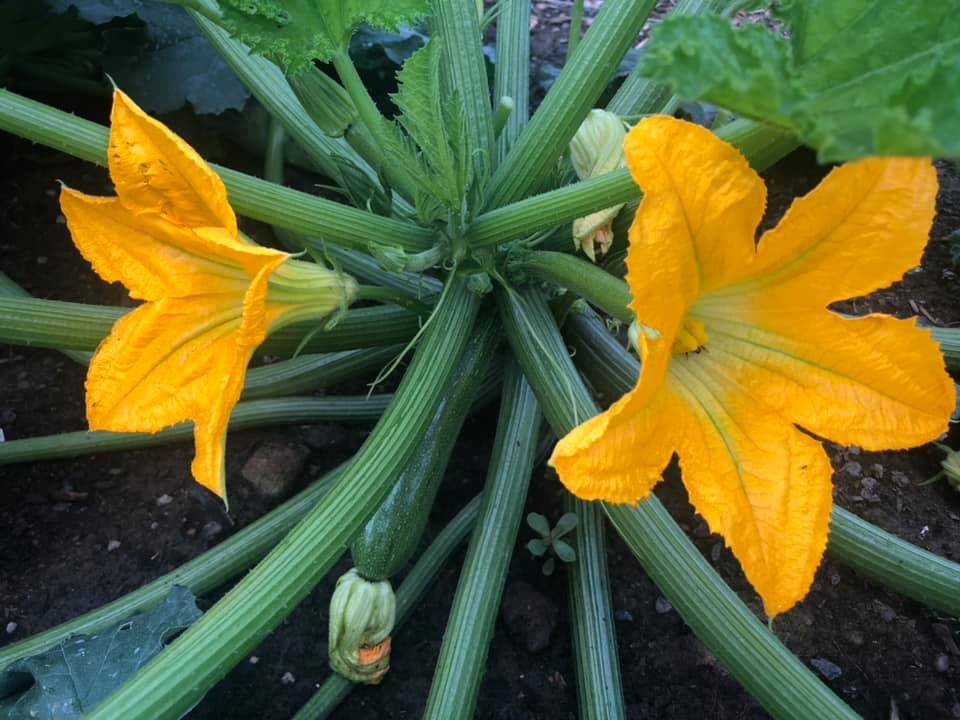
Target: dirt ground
[{"x": 77, "y": 533}]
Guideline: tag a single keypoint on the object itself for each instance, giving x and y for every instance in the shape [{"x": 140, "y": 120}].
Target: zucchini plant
[{"x": 462, "y": 223}]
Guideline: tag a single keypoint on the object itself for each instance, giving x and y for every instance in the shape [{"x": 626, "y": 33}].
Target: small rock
[
  {"x": 253, "y": 660},
  {"x": 288, "y": 678},
  {"x": 61, "y": 220},
  {"x": 942, "y": 663},
  {"x": 41, "y": 259},
  {"x": 852, "y": 468},
  {"x": 868, "y": 484},
  {"x": 211, "y": 529},
  {"x": 273, "y": 467},
  {"x": 530, "y": 616},
  {"x": 164, "y": 500},
  {"x": 154, "y": 525},
  {"x": 623, "y": 616},
  {"x": 877, "y": 470},
  {"x": 886, "y": 612},
  {"x": 855, "y": 637},
  {"x": 716, "y": 551},
  {"x": 829, "y": 670},
  {"x": 11, "y": 628},
  {"x": 662, "y": 606},
  {"x": 900, "y": 478},
  {"x": 113, "y": 545}
]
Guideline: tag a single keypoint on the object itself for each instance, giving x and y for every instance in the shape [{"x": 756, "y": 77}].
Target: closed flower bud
[
  {"x": 362, "y": 614},
  {"x": 597, "y": 149}
]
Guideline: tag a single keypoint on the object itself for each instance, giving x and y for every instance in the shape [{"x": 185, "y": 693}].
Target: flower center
[{"x": 692, "y": 336}]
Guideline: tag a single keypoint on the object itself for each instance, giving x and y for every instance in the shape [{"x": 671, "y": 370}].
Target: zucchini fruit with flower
[{"x": 362, "y": 609}]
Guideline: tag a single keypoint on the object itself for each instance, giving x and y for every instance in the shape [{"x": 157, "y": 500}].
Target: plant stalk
[{"x": 512, "y": 70}]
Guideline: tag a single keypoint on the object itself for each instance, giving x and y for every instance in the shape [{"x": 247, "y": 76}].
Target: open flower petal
[
  {"x": 155, "y": 171},
  {"x": 757, "y": 480},
  {"x": 156, "y": 258},
  {"x": 700, "y": 193}
]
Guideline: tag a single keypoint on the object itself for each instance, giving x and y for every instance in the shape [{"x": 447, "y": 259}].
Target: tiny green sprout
[{"x": 549, "y": 540}]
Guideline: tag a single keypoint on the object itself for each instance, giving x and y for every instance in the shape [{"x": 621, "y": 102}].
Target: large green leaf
[
  {"x": 296, "y": 32},
  {"x": 70, "y": 679},
  {"x": 851, "y": 77}
]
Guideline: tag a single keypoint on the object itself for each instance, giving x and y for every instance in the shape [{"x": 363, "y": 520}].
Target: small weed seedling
[{"x": 549, "y": 540}]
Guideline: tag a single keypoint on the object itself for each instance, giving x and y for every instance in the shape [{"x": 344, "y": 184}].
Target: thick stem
[
  {"x": 174, "y": 681},
  {"x": 767, "y": 669},
  {"x": 512, "y": 71},
  {"x": 466, "y": 640},
  {"x": 567, "y": 103},
  {"x": 250, "y": 196},
  {"x": 576, "y": 27}
]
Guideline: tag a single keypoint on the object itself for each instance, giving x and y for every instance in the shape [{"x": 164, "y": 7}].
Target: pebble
[
  {"x": 113, "y": 545},
  {"x": 886, "y": 612},
  {"x": 530, "y": 616},
  {"x": 273, "y": 467},
  {"x": 853, "y": 469},
  {"x": 253, "y": 660},
  {"x": 11, "y": 628},
  {"x": 942, "y": 663},
  {"x": 211, "y": 529},
  {"x": 826, "y": 668},
  {"x": 662, "y": 606},
  {"x": 288, "y": 678},
  {"x": 164, "y": 500},
  {"x": 623, "y": 616}
]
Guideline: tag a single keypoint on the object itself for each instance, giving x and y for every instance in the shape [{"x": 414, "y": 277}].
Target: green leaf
[
  {"x": 539, "y": 524},
  {"x": 70, "y": 679},
  {"x": 538, "y": 547},
  {"x": 564, "y": 551},
  {"x": 853, "y": 77},
  {"x": 566, "y": 523},
  {"x": 296, "y": 32},
  {"x": 548, "y": 566}
]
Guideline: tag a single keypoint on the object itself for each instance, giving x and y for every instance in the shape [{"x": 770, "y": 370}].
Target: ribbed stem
[
  {"x": 639, "y": 95},
  {"x": 8, "y": 288},
  {"x": 905, "y": 568},
  {"x": 77, "y": 326},
  {"x": 767, "y": 669},
  {"x": 411, "y": 590},
  {"x": 176, "y": 679},
  {"x": 309, "y": 373},
  {"x": 599, "y": 687},
  {"x": 949, "y": 339},
  {"x": 419, "y": 286},
  {"x": 466, "y": 639},
  {"x": 356, "y": 409},
  {"x": 458, "y": 26},
  {"x": 250, "y": 196},
  {"x": 512, "y": 70},
  {"x": 576, "y": 29},
  {"x": 762, "y": 144},
  {"x": 567, "y": 103},
  {"x": 580, "y": 276},
  {"x": 202, "y": 574}
]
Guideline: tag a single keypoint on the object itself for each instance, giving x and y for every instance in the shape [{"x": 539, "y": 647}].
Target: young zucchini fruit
[{"x": 363, "y": 606}]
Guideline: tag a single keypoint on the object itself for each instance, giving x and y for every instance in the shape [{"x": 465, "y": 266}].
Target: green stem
[
  {"x": 77, "y": 326},
  {"x": 202, "y": 574},
  {"x": 394, "y": 297},
  {"x": 458, "y": 25},
  {"x": 883, "y": 557},
  {"x": 567, "y": 103},
  {"x": 600, "y": 690},
  {"x": 576, "y": 28},
  {"x": 176, "y": 679},
  {"x": 418, "y": 286},
  {"x": 767, "y": 669},
  {"x": 421, "y": 577},
  {"x": 8, "y": 288},
  {"x": 512, "y": 71},
  {"x": 250, "y": 196},
  {"x": 639, "y": 95},
  {"x": 762, "y": 144},
  {"x": 466, "y": 640},
  {"x": 580, "y": 276},
  {"x": 949, "y": 339},
  {"x": 345, "y": 409}
]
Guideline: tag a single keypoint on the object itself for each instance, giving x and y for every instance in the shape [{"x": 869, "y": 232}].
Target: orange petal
[
  {"x": 155, "y": 171},
  {"x": 860, "y": 229},
  {"x": 756, "y": 479},
  {"x": 618, "y": 455},
  {"x": 875, "y": 381},
  {"x": 702, "y": 203},
  {"x": 155, "y": 258}
]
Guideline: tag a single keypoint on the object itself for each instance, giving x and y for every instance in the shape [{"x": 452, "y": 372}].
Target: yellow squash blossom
[
  {"x": 212, "y": 296},
  {"x": 744, "y": 362}
]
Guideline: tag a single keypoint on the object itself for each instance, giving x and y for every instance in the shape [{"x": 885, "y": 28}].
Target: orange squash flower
[
  {"x": 212, "y": 296},
  {"x": 739, "y": 347}
]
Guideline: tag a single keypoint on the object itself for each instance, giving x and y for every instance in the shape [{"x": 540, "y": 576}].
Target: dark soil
[{"x": 75, "y": 534}]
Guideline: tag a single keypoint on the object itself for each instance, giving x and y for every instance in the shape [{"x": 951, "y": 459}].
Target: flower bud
[
  {"x": 951, "y": 469},
  {"x": 362, "y": 614},
  {"x": 597, "y": 149}
]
